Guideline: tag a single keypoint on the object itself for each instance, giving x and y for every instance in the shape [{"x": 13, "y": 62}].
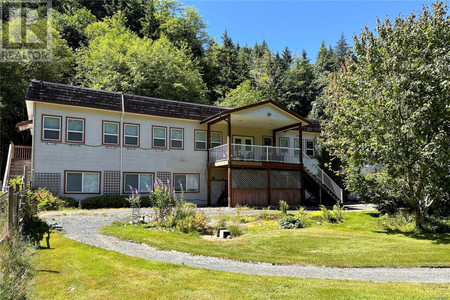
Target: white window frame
[
  {"x": 180, "y": 140},
  {"x": 176, "y": 185},
  {"x": 74, "y": 131},
  {"x": 216, "y": 144},
  {"x": 82, "y": 182},
  {"x": 51, "y": 129},
  {"x": 111, "y": 134},
  {"x": 284, "y": 149},
  {"x": 158, "y": 138},
  {"x": 125, "y": 135},
  {"x": 145, "y": 191},
  {"x": 200, "y": 141},
  {"x": 313, "y": 149}
]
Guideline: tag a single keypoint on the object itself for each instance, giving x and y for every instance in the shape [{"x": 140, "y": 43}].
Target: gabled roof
[
  {"x": 65, "y": 94},
  {"x": 279, "y": 106}
]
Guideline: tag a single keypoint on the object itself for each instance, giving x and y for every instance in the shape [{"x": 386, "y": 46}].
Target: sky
[{"x": 295, "y": 23}]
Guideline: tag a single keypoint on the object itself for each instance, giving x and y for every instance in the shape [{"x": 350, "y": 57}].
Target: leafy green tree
[
  {"x": 390, "y": 121},
  {"x": 243, "y": 94},
  {"x": 298, "y": 90},
  {"x": 72, "y": 25},
  {"x": 119, "y": 60}
]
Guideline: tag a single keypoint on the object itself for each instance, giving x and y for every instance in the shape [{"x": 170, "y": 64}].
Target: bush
[
  {"x": 292, "y": 222},
  {"x": 69, "y": 202},
  {"x": 114, "y": 201},
  {"x": 46, "y": 200},
  {"x": 235, "y": 229},
  {"x": 199, "y": 223},
  {"x": 400, "y": 222},
  {"x": 333, "y": 216},
  {"x": 284, "y": 207}
]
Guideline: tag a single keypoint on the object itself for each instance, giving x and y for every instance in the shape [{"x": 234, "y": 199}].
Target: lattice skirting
[
  {"x": 50, "y": 181},
  {"x": 250, "y": 187},
  {"x": 111, "y": 183}
]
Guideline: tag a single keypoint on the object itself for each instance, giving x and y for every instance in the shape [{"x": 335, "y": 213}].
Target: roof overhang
[
  {"x": 24, "y": 125},
  {"x": 267, "y": 114}
]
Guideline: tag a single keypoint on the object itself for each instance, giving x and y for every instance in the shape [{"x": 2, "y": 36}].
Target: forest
[{"x": 161, "y": 48}]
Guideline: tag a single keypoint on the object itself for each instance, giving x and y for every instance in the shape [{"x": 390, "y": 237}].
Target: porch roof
[{"x": 267, "y": 114}]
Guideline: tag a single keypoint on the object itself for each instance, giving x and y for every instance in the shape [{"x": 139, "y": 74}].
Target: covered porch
[{"x": 260, "y": 161}]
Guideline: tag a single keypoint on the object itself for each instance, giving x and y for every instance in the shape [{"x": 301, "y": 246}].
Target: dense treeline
[{"x": 161, "y": 48}]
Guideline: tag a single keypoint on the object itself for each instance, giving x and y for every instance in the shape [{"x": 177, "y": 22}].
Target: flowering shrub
[
  {"x": 165, "y": 201},
  {"x": 135, "y": 203}
]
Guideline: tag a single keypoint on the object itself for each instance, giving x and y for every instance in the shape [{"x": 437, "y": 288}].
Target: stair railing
[
  {"x": 8, "y": 167},
  {"x": 320, "y": 174}
]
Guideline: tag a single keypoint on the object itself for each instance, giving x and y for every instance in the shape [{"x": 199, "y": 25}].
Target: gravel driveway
[{"x": 83, "y": 227}]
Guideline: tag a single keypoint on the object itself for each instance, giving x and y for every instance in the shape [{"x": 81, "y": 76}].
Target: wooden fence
[{"x": 11, "y": 208}]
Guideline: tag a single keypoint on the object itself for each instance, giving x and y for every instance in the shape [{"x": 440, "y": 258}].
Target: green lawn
[
  {"x": 71, "y": 270},
  {"x": 358, "y": 241}
]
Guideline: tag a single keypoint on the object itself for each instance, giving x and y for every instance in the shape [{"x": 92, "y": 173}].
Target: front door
[{"x": 243, "y": 146}]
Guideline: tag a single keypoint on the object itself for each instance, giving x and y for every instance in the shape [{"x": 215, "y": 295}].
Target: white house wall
[{"x": 57, "y": 157}]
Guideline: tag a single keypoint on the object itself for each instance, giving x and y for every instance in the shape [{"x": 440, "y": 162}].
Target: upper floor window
[
  {"x": 131, "y": 135},
  {"x": 159, "y": 137},
  {"x": 267, "y": 141},
  {"x": 82, "y": 182},
  {"x": 75, "y": 130},
  {"x": 110, "y": 133},
  {"x": 176, "y": 138},
  {"x": 51, "y": 128},
  {"x": 186, "y": 183},
  {"x": 310, "y": 151},
  {"x": 284, "y": 144},
  {"x": 216, "y": 139},
  {"x": 143, "y": 182},
  {"x": 200, "y": 140}
]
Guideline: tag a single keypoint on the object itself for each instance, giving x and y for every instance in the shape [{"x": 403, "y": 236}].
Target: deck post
[
  {"x": 268, "y": 187},
  {"x": 208, "y": 147},
  {"x": 302, "y": 177},
  {"x": 230, "y": 191}
]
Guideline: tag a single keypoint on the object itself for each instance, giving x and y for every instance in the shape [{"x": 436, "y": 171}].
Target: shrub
[
  {"x": 46, "y": 200},
  {"x": 284, "y": 207},
  {"x": 400, "y": 222},
  {"x": 15, "y": 268},
  {"x": 199, "y": 223},
  {"x": 164, "y": 201},
  {"x": 292, "y": 222},
  {"x": 333, "y": 216},
  {"x": 69, "y": 202},
  {"x": 113, "y": 201},
  {"x": 235, "y": 229}
]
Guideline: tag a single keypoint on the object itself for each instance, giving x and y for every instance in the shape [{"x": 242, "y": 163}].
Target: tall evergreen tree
[{"x": 341, "y": 50}]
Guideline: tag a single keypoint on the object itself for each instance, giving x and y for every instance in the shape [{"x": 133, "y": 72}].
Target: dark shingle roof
[
  {"x": 314, "y": 127},
  {"x": 80, "y": 96}
]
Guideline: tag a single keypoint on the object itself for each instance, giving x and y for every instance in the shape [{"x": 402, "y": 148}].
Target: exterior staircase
[
  {"x": 18, "y": 158},
  {"x": 325, "y": 188}
]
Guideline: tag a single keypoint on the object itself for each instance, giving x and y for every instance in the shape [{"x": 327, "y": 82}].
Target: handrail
[
  {"x": 244, "y": 152},
  {"x": 8, "y": 166}
]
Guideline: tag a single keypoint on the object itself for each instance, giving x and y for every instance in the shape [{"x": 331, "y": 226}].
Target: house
[{"x": 89, "y": 142}]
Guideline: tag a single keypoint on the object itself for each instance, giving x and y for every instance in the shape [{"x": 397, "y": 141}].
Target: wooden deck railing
[{"x": 22, "y": 152}]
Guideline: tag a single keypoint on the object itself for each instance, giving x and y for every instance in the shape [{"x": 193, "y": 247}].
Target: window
[
  {"x": 83, "y": 182},
  {"x": 75, "y": 130},
  {"x": 138, "y": 181},
  {"x": 309, "y": 147},
  {"x": 51, "y": 128},
  {"x": 110, "y": 133},
  {"x": 159, "y": 137},
  {"x": 216, "y": 139},
  {"x": 267, "y": 141},
  {"x": 176, "y": 138},
  {"x": 189, "y": 183},
  {"x": 131, "y": 135},
  {"x": 200, "y": 140},
  {"x": 296, "y": 147},
  {"x": 284, "y": 143}
]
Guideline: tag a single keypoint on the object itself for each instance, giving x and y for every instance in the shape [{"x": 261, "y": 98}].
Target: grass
[
  {"x": 72, "y": 270},
  {"x": 358, "y": 242}
]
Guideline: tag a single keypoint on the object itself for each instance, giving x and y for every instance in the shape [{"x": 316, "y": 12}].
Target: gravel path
[{"x": 84, "y": 228}]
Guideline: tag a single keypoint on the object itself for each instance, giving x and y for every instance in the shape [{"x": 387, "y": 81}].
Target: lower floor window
[
  {"x": 309, "y": 148},
  {"x": 186, "y": 182},
  {"x": 143, "y": 182},
  {"x": 83, "y": 182}
]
